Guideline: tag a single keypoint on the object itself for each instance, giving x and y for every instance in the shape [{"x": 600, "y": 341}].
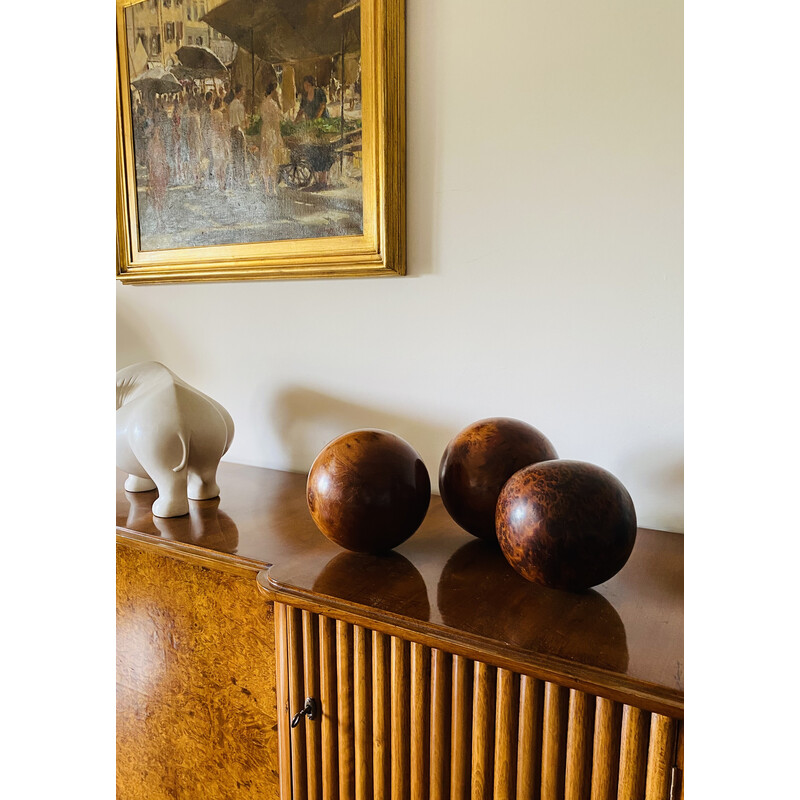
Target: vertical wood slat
[
  {"x": 282, "y": 698},
  {"x": 605, "y": 753},
  {"x": 554, "y": 741},
  {"x": 420, "y": 717},
  {"x": 362, "y": 711},
  {"x": 633, "y": 753},
  {"x": 294, "y": 636},
  {"x": 579, "y": 743},
  {"x": 506, "y": 722},
  {"x": 529, "y": 745},
  {"x": 460, "y": 727},
  {"x": 329, "y": 720},
  {"x": 449, "y": 722},
  {"x": 344, "y": 680},
  {"x": 659, "y": 757},
  {"x": 679, "y": 758},
  {"x": 440, "y": 726},
  {"x": 381, "y": 780},
  {"x": 482, "y": 731},
  {"x": 399, "y": 720},
  {"x": 311, "y": 689}
]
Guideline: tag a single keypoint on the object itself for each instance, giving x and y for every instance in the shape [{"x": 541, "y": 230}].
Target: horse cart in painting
[{"x": 314, "y": 154}]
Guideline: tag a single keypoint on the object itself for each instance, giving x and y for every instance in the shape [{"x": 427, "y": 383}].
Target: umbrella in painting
[
  {"x": 158, "y": 80},
  {"x": 200, "y": 60},
  {"x": 279, "y": 31}
]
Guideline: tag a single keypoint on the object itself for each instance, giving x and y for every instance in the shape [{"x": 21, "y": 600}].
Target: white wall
[{"x": 545, "y": 225}]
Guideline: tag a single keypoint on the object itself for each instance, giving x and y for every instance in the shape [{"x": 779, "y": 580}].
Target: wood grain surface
[
  {"x": 623, "y": 639},
  {"x": 482, "y": 731},
  {"x": 506, "y": 730},
  {"x": 460, "y": 728},
  {"x": 329, "y": 721},
  {"x": 605, "y": 749},
  {"x": 461, "y": 667},
  {"x": 194, "y": 719}
]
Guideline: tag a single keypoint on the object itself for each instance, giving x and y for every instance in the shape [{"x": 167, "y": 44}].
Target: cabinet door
[
  {"x": 195, "y": 682},
  {"x": 398, "y": 720}
]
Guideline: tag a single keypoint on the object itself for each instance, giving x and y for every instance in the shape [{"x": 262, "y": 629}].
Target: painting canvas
[{"x": 253, "y": 124}]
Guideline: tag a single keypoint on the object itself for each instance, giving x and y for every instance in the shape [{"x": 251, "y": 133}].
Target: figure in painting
[
  {"x": 220, "y": 143},
  {"x": 271, "y": 140},
  {"x": 194, "y": 144},
  {"x": 206, "y": 133},
  {"x": 237, "y": 121},
  {"x": 157, "y": 173},
  {"x": 164, "y": 125},
  {"x": 141, "y": 132},
  {"x": 178, "y": 167},
  {"x": 182, "y": 114},
  {"x": 313, "y": 103}
]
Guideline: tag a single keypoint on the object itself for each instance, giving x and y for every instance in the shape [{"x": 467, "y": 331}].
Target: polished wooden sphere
[
  {"x": 368, "y": 491},
  {"x": 478, "y": 461},
  {"x": 566, "y": 524}
]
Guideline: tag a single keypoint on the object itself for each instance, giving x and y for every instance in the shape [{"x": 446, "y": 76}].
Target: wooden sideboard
[{"x": 437, "y": 670}]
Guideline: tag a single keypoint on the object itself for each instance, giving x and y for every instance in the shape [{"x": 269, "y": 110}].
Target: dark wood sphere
[
  {"x": 368, "y": 491},
  {"x": 478, "y": 461},
  {"x": 566, "y": 524}
]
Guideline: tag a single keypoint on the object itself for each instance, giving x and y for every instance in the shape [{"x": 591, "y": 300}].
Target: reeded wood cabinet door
[{"x": 399, "y": 720}]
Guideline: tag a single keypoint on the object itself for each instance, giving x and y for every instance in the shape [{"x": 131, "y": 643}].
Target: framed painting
[{"x": 260, "y": 139}]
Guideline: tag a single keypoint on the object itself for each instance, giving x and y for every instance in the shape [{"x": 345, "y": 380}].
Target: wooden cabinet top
[{"x": 444, "y": 587}]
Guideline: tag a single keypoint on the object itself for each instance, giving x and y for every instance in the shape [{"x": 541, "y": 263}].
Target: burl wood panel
[{"x": 196, "y": 708}]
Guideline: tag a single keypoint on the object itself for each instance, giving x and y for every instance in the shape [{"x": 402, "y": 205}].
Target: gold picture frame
[{"x": 380, "y": 246}]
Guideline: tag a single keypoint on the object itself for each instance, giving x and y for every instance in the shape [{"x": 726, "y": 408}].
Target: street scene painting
[{"x": 246, "y": 120}]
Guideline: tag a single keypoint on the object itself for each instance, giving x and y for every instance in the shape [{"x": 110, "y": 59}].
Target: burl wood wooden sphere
[
  {"x": 566, "y": 524},
  {"x": 478, "y": 461},
  {"x": 368, "y": 491}
]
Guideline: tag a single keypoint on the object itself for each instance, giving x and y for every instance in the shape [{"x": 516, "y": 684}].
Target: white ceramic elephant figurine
[{"x": 170, "y": 437}]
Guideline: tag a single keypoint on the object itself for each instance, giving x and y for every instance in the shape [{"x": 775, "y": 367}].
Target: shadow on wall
[
  {"x": 664, "y": 479},
  {"x": 306, "y": 420}
]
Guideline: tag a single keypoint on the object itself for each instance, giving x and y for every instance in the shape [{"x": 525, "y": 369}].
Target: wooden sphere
[
  {"x": 478, "y": 461},
  {"x": 368, "y": 491},
  {"x": 566, "y": 524}
]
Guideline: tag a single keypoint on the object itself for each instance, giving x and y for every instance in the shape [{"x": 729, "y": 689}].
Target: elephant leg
[
  {"x": 157, "y": 453},
  {"x": 203, "y": 483},
  {"x": 172, "y": 500},
  {"x": 134, "y": 483}
]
